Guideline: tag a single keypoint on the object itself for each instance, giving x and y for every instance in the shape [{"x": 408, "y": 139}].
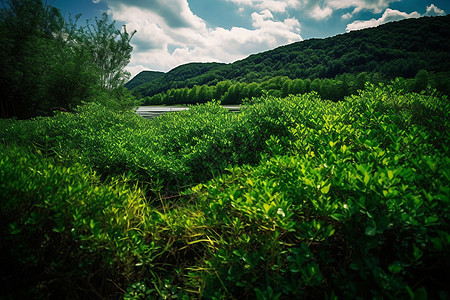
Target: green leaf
[
  {"x": 366, "y": 178},
  {"x": 325, "y": 189},
  {"x": 370, "y": 230},
  {"x": 395, "y": 268},
  {"x": 390, "y": 174}
]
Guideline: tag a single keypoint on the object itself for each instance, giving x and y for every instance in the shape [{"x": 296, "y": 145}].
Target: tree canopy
[{"x": 46, "y": 61}]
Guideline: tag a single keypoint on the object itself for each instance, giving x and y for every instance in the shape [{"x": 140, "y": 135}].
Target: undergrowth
[{"x": 291, "y": 198}]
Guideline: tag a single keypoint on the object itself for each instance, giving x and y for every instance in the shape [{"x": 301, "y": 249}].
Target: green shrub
[
  {"x": 64, "y": 223},
  {"x": 292, "y": 198}
]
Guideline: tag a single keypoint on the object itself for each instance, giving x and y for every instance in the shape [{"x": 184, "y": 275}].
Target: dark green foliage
[
  {"x": 26, "y": 37},
  {"x": 294, "y": 197},
  {"x": 396, "y": 49},
  {"x": 143, "y": 77},
  {"x": 228, "y": 92},
  {"x": 64, "y": 218},
  {"x": 182, "y": 76},
  {"x": 47, "y": 62}
]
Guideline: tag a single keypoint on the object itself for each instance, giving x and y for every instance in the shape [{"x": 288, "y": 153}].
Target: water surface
[{"x": 150, "y": 112}]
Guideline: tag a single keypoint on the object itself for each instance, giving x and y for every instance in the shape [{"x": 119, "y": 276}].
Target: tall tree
[
  {"x": 46, "y": 61},
  {"x": 26, "y": 36},
  {"x": 110, "y": 49}
]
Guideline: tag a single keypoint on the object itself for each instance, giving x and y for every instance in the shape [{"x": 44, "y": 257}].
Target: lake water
[{"x": 150, "y": 112}]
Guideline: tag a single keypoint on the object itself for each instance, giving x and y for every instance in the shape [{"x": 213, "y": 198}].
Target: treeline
[
  {"x": 49, "y": 62},
  {"x": 230, "y": 92},
  {"x": 397, "y": 49}
]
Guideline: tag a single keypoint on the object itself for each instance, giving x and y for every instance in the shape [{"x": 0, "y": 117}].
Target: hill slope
[
  {"x": 175, "y": 78},
  {"x": 395, "y": 49},
  {"x": 142, "y": 78}
]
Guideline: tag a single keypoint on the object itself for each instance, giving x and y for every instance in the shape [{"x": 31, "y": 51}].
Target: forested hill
[
  {"x": 143, "y": 77},
  {"x": 395, "y": 49},
  {"x": 176, "y": 77}
]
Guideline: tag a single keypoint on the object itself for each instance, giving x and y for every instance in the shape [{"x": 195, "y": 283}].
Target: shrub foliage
[{"x": 292, "y": 197}]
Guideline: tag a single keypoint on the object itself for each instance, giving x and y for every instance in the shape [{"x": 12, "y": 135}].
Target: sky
[{"x": 174, "y": 32}]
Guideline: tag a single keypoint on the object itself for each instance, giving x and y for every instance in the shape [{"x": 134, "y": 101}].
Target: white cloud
[
  {"x": 163, "y": 42},
  {"x": 347, "y": 16},
  {"x": 433, "y": 10},
  {"x": 321, "y": 13},
  {"x": 259, "y": 19},
  {"x": 389, "y": 15},
  {"x": 322, "y": 9},
  {"x": 272, "y": 5},
  {"x": 174, "y": 13},
  {"x": 375, "y": 6}
]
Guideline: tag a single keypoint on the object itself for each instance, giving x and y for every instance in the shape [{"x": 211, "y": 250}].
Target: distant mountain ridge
[{"x": 394, "y": 49}]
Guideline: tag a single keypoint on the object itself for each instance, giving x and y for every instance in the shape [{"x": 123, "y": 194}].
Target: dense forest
[
  {"x": 294, "y": 197},
  {"x": 397, "y": 49}
]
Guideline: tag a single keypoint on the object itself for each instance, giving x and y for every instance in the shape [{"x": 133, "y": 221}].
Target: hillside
[
  {"x": 395, "y": 49},
  {"x": 143, "y": 77},
  {"x": 175, "y": 78}
]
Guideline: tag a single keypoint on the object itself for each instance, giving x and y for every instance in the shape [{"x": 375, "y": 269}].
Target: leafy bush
[
  {"x": 64, "y": 222},
  {"x": 293, "y": 197}
]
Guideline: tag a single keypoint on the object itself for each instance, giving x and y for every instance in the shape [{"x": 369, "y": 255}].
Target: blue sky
[{"x": 174, "y": 32}]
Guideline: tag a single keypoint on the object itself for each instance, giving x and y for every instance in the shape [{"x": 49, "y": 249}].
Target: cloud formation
[
  {"x": 433, "y": 10},
  {"x": 317, "y": 9},
  {"x": 322, "y": 9},
  {"x": 319, "y": 13},
  {"x": 169, "y": 35},
  {"x": 391, "y": 15},
  {"x": 375, "y": 6},
  {"x": 174, "y": 13},
  {"x": 272, "y": 5}
]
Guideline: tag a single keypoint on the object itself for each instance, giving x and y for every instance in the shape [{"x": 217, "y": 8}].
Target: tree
[
  {"x": 205, "y": 94},
  {"x": 221, "y": 88},
  {"x": 287, "y": 88},
  {"x": 298, "y": 87},
  {"x": 421, "y": 81},
  {"x": 110, "y": 50},
  {"x": 46, "y": 61},
  {"x": 315, "y": 85},
  {"x": 193, "y": 94},
  {"x": 26, "y": 36},
  {"x": 360, "y": 81}
]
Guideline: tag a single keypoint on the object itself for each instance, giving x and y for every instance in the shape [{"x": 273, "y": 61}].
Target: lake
[{"x": 150, "y": 112}]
